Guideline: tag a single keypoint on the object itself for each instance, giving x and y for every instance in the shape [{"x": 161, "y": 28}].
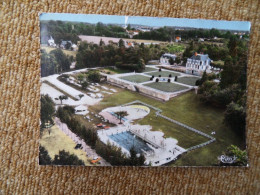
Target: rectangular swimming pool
[{"x": 128, "y": 140}]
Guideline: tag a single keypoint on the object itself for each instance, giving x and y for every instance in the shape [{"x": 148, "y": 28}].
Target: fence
[{"x": 212, "y": 139}]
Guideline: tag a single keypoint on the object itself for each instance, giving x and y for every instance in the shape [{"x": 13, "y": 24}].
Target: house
[
  {"x": 198, "y": 63},
  {"x": 74, "y": 47},
  {"x": 165, "y": 58},
  {"x": 178, "y": 39},
  {"x": 201, "y": 40},
  {"x": 51, "y": 42},
  {"x": 63, "y": 44}
]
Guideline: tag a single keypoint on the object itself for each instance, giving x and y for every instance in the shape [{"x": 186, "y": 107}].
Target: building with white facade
[
  {"x": 198, "y": 63},
  {"x": 166, "y": 57},
  {"x": 51, "y": 42}
]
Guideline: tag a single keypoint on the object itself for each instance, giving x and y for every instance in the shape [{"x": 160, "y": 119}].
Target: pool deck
[{"x": 164, "y": 150}]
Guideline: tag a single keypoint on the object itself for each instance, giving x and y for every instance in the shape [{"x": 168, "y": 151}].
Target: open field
[
  {"x": 96, "y": 39},
  {"x": 187, "y": 109},
  {"x": 136, "y": 78},
  {"x": 67, "y": 52},
  {"x": 165, "y": 86},
  {"x": 188, "y": 80},
  {"x": 163, "y": 74},
  {"x": 57, "y": 140}
]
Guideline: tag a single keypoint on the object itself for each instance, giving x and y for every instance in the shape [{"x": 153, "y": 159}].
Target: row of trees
[
  {"x": 109, "y": 152},
  {"x": 63, "y": 158},
  {"x": 60, "y": 30},
  {"x": 215, "y": 52},
  {"x": 231, "y": 91},
  {"x": 54, "y": 62},
  {"x": 47, "y": 110},
  {"x": 168, "y": 34},
  {"x": 131, "y": 58}
]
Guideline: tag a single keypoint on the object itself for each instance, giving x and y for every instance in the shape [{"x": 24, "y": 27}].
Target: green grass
[
  {"x": 163, "y": 73},
  {"x": 165, "y": 86},
  {"x": 175, "y": 48},
  {"x": 188, "y": 80},
  {"x": 189, "y": 110},
  {"x": 115, "y": 70},
  {"x": 148, "y": 69},
  {"x": 67, "y": 52},
  {"x": 136, "y": 78},
  {"x": 185, "y": 137}
]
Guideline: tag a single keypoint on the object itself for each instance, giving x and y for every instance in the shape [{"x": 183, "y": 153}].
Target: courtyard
[
  {"x": 166, "y": 87},
  {"x": 136, "y": 78}
]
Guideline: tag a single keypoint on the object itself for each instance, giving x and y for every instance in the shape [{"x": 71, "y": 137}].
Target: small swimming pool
[{"x": 128, "y": 140}]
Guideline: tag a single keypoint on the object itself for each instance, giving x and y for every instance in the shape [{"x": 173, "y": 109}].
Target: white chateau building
[
  {"x": 51, "y": 42},
  {"x": 198, "y": 63},
  {"x": 166, "y": 57}
]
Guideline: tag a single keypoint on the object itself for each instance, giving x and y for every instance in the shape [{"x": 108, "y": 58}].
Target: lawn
[
  {"x": 111, "y": 70},
  {"x": 165, "y": 86},
  {"x": 187, "y": 109},
  {"x": 188, "y": 80},
  {"x": 148, "y": 69},
  {"x": 136, "y": 78},
  {"x": 185, "y": 137},
  {"x": 57, "y": 141},
  {"x": 163, "y": 74},
  {"x": 67, "y": 52}
]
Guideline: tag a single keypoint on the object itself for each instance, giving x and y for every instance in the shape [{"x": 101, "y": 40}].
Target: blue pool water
[{"x": 128, "y": 140}]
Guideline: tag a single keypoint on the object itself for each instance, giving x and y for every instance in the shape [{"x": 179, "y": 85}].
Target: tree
[
  {"x": 61, "y": 59},
  {"x": 178, "y": 60},
  {"x": 241, "y": 155},
  {"x": 101, "y": 42},
  {"x": 44, "y": 158},
  {"x": 81, "y": 95},
  {"x": 235, "y": 117},
  {"x": 121, "y": 114},
  {"x": 68, "y": 45},
  {"x": 121, "y": 43},
  {"x": 47, "y": 110},
  {"x": 80, "y": 78},
  {"x": 171, "y": 61},
  {"x": 204, "y": 78},
  {"x": 62, "y": 97},
  {"x": 84, "y": 85},
  {"x": 94, "y": 76},
  {"x": 65, "y": 158}
]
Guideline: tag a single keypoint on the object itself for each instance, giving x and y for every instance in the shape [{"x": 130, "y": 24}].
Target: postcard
[{"x": 142, "y": 91}]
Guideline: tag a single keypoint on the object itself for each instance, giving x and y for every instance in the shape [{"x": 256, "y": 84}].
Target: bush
[
  {"x": 235, "y": 117},
  {"x": 157, "y": 80},
  {"x": 94, "y": 76}
]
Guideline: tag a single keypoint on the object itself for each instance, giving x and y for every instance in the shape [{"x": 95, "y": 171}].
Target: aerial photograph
[{"x": 142, "y": 91}]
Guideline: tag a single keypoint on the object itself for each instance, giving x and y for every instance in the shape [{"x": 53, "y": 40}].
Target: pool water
[{"x": 128, "y": 140}]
